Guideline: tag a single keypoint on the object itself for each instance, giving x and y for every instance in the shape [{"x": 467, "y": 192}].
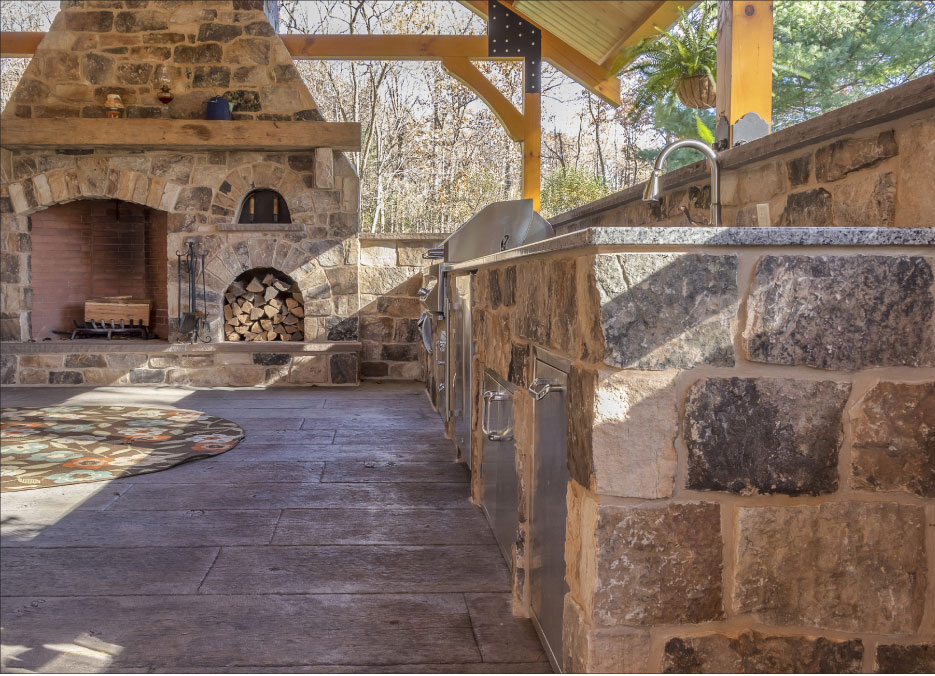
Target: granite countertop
[{"x": 716, "y": 237}]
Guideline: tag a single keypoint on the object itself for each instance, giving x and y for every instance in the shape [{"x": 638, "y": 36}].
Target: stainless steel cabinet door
[
  {"x": 548, "y": 508},
  {"x": 461, "y": 390},
  {"x": 498, "y": 468}
]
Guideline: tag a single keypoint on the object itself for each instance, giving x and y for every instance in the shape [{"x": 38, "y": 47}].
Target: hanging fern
[{"x": 688, "y": 49}]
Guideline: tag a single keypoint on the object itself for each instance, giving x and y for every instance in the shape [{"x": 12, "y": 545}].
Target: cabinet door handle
[
  {"x": 541, "y": 387},
  {"x": 504, "y": 434}
]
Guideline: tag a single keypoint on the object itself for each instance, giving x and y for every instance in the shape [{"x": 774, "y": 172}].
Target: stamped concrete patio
[{"x": 337, "y": 537}]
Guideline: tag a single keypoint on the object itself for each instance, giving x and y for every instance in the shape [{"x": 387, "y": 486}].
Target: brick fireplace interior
[{"x": 92, "y": 249}]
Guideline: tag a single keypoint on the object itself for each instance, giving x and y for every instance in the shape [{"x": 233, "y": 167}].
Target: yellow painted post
[
  {"x": 745, "y": 59},
  {"x": 532, "y": 146}
]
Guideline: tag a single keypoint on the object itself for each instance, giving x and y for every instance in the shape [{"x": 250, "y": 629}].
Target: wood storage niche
[{"x": 263, "y": 304}]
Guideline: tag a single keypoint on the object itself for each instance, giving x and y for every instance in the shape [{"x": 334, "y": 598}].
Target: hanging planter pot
[{"x": 696, "y": 91}]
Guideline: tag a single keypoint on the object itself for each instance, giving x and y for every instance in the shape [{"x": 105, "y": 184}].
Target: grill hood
[{"x": 497, "y": 227}]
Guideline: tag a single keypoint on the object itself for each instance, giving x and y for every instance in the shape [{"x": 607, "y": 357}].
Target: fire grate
[{"x": 111, "y": 329}]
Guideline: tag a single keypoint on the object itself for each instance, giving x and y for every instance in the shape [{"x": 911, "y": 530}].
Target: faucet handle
[{"x": 688, "y": 217}]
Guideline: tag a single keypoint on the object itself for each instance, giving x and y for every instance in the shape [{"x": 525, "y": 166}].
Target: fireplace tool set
[{"x": 193, "y": 324}]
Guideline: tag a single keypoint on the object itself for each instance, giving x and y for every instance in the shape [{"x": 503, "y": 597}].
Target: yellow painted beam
[
  {"x": 19, "y": 45},
  {"x": 532, "y": 148},
  {"x": 661, "y": 18},
  {"x": 595, "y": 78},
  {"x": 592, "y": 76},
  {"x": 404, "y": 47},
  {"x": 467, "y": 74},
  {"x": 745, "y": 60},
  {"x": 386, "y": 47},
  {"x": 330, "y": 47}
]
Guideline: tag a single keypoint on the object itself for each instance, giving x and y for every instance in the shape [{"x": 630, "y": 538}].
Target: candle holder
[{"x": 114, "y": 105}]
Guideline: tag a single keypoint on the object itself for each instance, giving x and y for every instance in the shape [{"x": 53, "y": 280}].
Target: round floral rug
[{"x": 57, "y": 445}]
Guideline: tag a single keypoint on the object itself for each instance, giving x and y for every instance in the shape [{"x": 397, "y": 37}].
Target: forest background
[{"x": 432, "y": 154}]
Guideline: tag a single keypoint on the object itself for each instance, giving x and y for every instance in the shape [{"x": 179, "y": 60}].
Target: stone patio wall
[
  {"x": 875, "y": 174},
  {"x": 96, "y": 362},
  {"x": 752, "y": 450},
  {"x": 391, "y": 274}
]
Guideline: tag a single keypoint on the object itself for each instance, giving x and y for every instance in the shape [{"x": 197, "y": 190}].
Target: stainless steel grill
[{"x": 446, "y": 318}]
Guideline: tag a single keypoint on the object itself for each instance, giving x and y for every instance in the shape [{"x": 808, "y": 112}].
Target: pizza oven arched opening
[{"x": 264, "y": 206}]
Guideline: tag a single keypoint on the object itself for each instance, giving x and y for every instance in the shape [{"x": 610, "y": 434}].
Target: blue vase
[{"x": 218, "y": 108}]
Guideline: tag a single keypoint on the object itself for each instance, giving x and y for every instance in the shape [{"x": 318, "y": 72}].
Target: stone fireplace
[{"x": 169, "y": 196}]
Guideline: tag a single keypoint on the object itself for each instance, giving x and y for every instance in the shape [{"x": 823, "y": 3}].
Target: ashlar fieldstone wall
[
  {"x": 391, "y": 274},
  {"x": 752, "y": 450},
  {"x": 812, "y": 174}
]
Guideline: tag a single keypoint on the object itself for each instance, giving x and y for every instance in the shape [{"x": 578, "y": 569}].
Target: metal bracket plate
[{"x": 510, "y": 35}]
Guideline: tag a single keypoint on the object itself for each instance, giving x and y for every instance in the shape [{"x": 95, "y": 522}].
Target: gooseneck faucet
[{"x": 651, "y": 194}]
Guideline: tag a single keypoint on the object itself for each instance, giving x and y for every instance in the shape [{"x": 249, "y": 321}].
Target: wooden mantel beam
[{"x": 179, "y": 134}]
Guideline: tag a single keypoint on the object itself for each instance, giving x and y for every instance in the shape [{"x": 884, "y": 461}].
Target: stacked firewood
[{"x": 264, "y": 309}]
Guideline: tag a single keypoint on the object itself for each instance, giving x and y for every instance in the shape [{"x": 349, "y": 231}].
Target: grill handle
[
  {"x": 504, "y": 434},
  {"x": 542, "y": 388}
]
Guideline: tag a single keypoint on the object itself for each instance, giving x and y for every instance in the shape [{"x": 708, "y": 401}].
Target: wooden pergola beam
[
  {"x": 744, "y": 62},
  {"x": 467, "y": 74},
  {"x": 19, "y": 45},
  {"x": 386, "y": 47},
  {"x": 532, "y": 148}
]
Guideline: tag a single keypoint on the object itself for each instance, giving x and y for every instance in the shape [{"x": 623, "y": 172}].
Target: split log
[{"x": 266, "y": 309}]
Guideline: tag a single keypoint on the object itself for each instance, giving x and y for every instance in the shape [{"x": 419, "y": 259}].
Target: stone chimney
[{"x": 130, "y": 47}]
